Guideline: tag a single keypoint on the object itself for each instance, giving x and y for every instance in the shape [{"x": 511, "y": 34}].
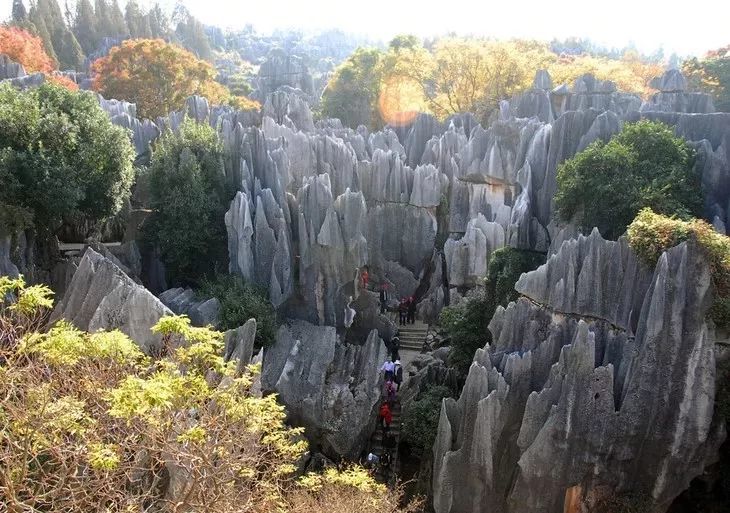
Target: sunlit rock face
[
  {"x": 331, "y": 388},
  {"x": 601, "y": 379}
]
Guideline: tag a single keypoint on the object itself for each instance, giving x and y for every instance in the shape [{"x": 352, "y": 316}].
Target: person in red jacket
[{"x": 385, "y": 416}]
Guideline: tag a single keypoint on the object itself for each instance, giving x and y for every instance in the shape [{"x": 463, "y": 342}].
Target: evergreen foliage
[
  {"x": 645, "y": 165},
  {"x": 711, "y": 74},
  {"x": 60, "y": 155},
  {"x": 189, "y": 198},
  {"x": 240, "y": 302},
  {"x": 421, "y": 419},
  {"x": 466, "y": 323}
]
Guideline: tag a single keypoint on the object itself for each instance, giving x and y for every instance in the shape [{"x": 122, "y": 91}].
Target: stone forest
[{"x": 306, "y": 271}]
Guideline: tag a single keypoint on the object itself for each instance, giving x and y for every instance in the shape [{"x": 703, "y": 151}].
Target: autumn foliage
[
  {"x": 155, "y": 75},
  {"x": 25, "y": 48}
]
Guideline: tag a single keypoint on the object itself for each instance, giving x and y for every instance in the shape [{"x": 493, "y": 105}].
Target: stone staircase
[
  {"x": 376, "y": 442},
  {"x": 412, "y": 336}
]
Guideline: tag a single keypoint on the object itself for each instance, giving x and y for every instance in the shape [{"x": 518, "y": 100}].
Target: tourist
[
  {"x": 386, "y": 417},
  {"x": 388, "y": 369},
  {"x": 390, "y": 391},
  {"x": 398, "y": 374},
  {"x": 403, "y": 311},
  {"x": 365, "y": 277},
  {"x": 395, "y": 347},
  {"x": 411, "y": 310},
  {"x": 383, "y": 297},
  {"x": 349, "y": 313}
]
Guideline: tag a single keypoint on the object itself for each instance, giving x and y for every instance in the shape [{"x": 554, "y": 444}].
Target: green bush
[
  {"x": 189, "y": 196},
  {"x": 60, "y": 155},
  {"x": 240, "y": 302},
  {"x": 651, "y": 234},
  {"x": 466, "y": 323},
  {"x": 645, "y": 165},
  {"x": 421, "y": 419},
  {"x": 505, "y": 268}
]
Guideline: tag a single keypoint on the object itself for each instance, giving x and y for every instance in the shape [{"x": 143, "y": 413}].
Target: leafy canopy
[
  {"x": 711, "y": 74},
  {"x": 189, "y": 199},
  {"x": 421, "y": 419},
  {"x": 155, "y": 75},
  {"x": 645, "y": 165},
  {"x": 60, "y": 154},
  {"x": 89, "y": 423}
]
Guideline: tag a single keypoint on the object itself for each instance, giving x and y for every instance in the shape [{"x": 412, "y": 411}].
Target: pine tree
[
  {"x": 20, "y": 14},
  {"x": 118, "y": 27},
  {"x": 70, "y": 54},
  {"x": 159, "y": 23},
  {"x": 138, "y": 23},
  {"x": 85, "y": 27},
  {"x": 103, "y": 19}
]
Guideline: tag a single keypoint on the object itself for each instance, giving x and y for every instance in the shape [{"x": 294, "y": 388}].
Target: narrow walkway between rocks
[{"x": 376, "y": 444}]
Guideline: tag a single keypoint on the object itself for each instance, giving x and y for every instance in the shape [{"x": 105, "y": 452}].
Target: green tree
[
  {"x": 352, "y": 93},
  {"x": 159, "y": 22},
  {"x": 191, "y": 33},
  {"x": 118, "y": 25},
  {"x": 189, "y": 198},
  {"x": 86, "y": 27},
  {"x": 137, "y": 22},
  {"x": 70, "y": 54},
  {"x": 466, "y": 323},
  {"x": 645, "y": 165},
  {"x": 60, "y": 155}
]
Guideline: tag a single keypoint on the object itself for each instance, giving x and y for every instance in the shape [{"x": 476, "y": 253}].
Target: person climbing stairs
[{"x": 377, "y": 447}]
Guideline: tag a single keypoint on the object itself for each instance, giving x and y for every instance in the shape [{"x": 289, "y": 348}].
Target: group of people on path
[
  {"x": 392, "y": 379},
  {"x": 407, "y": 310}
]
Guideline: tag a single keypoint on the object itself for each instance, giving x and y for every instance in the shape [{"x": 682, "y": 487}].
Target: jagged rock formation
[
  {"x": 101, "y": 297},
  {"x": 331, "y": 388},
  {"x": 182, "y": 301},
  {"x": 281, "y": 69},
  {"x": 600, "y": 380},
  {"x": 239, "y": 344}
]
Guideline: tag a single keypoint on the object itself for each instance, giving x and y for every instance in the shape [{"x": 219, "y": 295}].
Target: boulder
[
  {"x": 330, "y": 388},
  {"x": 101, "y": 297}
]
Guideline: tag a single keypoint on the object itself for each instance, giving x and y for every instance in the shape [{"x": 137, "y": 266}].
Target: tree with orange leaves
[
  {"x": 25, "y": 48},
  {"x": 155, "y": 75}
]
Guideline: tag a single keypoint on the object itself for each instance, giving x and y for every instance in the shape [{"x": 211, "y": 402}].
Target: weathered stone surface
[
  {"x": 588, "y": 379},
  {"x": 101, "y": 297},
  {"x": 181, "y": 301},
  {"x": 330, "y": 388},
  {"x": 239, "y": 344}
]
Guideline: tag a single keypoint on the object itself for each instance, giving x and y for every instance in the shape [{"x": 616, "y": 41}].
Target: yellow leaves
[
  {"x": 149, "y": 398},
  {"x": 28, "y": 300},
  {"x": 194, "y": 435},
  {"x": 103, "y": 457},
  {"x": 66, "y": 345}
]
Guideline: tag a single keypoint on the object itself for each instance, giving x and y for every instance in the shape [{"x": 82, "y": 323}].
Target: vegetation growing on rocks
[
  {"x": 466, "y": 323},
  {"x": 88, "y": 422},
  {"x": 645, "y": 165},
  {"x": 240, "y": 302},
  {"x": 650, "y": 234}
]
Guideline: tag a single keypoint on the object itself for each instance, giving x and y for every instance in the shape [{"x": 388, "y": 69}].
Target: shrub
[
  {"x": 505, "y": 268},
  {"x": 466, "y": 324},
  {"x": 651, "y": 234},
  {"x": 89, "y": 423},
  {"x": 421, "y": 419},
  {"x": 240, "y": 302},
  {"x": 645, "y": 165},
  {"x": 189, "y": 196}
]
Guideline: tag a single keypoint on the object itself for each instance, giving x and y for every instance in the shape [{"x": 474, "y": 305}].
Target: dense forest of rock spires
[{"x": 600, "y": 377}]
